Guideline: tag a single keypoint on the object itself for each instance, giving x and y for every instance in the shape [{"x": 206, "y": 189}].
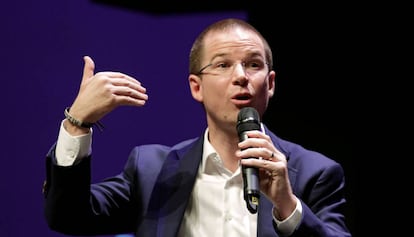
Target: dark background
[{"x": 42, "y": 44}]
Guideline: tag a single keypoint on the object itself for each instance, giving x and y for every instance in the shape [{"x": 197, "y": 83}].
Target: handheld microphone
[{"x": 247, "y": 120}]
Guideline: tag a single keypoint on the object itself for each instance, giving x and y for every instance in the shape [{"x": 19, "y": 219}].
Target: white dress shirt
[{"x": 216, "y": 206}]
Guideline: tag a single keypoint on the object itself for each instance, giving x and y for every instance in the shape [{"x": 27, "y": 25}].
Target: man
[{"x": 195, "y": 188}]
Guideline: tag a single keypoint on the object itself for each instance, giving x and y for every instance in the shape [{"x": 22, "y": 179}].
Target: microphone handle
[{"x": 251, "y": 188}]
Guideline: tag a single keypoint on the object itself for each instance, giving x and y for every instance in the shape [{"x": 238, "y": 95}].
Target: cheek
[
  {"x": 260, "y": 88},
  {"x": 214, "y": 89},
  {"x": 214, "y": 94},
  {"x": 264, "y": 95},
  {"x": 261, "y": 94}
]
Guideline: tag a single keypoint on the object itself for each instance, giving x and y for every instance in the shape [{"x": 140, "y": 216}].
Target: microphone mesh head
[{"x": 248, "y": 119}]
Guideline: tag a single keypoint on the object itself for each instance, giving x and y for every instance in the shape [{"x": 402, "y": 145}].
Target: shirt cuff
[
  {"x": 69, "y": 148},
  {"x": 288, "y": 225}
]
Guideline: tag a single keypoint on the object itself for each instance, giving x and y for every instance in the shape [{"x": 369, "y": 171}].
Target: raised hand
[{"x": 102, "y": 92}]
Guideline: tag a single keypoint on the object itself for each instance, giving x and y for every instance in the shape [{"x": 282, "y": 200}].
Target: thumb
[{"x": 88, "y": 68}]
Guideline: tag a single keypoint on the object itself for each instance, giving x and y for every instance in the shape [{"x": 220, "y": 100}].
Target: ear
[
  {"x": 272, "y": 83},
  {"x": 196, "y": 87}
]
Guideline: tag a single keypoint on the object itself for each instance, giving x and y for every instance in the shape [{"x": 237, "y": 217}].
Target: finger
[
  {"x": 130, "y": 94},
  {"x": 253, "y": 142},
  {"x": 268, "y": 154},
  {"x": 259, "y": 163},
  {"x": 88, "y": 68},
  {"x": 129, "y": 83},
  {"x": 134, "y": 101}
]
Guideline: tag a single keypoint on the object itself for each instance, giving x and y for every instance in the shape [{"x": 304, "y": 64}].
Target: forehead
[{"x": 233, "y": 42}]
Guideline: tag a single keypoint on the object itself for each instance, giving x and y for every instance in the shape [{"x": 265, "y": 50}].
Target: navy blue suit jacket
[{"x": 151, "y": 194}]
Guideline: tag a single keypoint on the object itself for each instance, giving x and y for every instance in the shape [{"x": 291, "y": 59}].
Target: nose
[{"x": 240, "y": 76}]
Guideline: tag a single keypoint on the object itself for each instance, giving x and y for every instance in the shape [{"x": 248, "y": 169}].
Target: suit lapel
[{"x": 173, "y": 188}]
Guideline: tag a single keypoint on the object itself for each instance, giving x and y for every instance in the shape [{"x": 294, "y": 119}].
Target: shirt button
[{"x": 228, "y": 217}]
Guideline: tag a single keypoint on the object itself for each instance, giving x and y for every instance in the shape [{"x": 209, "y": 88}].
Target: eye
[
  {"x": 255, "y": 65},
  {"x": 222, "y": 65}
]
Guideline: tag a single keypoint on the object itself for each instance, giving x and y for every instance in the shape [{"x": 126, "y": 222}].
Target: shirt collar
[{"x": 208, "y": 153}]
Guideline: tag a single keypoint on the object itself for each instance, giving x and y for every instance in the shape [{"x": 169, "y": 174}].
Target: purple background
[{"x": 42, "y": 45}]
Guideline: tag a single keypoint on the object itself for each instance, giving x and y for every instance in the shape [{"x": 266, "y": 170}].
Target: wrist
[
  {"x": 73, "y": 129},
  {"x": 79, "y": 123}
]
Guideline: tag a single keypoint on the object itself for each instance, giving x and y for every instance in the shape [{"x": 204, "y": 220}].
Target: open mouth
[{"x": 243, "y": 97}]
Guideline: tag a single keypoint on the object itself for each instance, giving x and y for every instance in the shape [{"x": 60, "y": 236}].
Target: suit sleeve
[
  {"x": 323, "y": 204},
  {"x": 73, "y": 206}
]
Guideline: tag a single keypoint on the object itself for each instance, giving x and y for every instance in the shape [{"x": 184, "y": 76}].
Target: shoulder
[
  {"x": 166, "y": 148},
  {"x": 161, "y": 150},
  {"x": 152, "y": 156},
  {"x": 310, "y": 167},
  {"x": 301, "y": 157}
]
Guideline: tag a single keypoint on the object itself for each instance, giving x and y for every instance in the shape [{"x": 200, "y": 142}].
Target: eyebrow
[{"x": 252, "y": 54}]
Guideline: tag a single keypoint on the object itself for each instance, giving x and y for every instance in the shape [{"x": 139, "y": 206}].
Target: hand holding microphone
[{"x": 272, "y": 168}]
